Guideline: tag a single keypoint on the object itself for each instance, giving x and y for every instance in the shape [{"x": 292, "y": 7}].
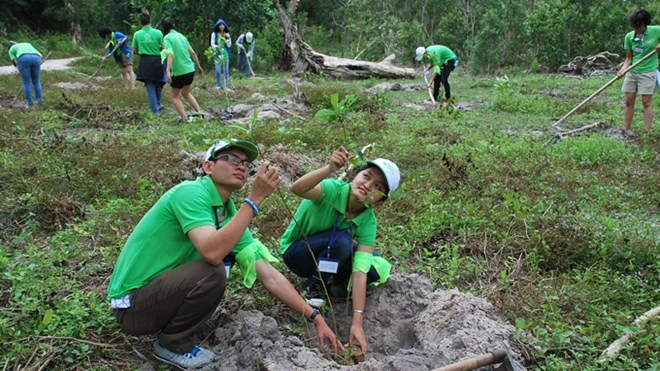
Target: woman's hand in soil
[{"x": 357, "y": 334}]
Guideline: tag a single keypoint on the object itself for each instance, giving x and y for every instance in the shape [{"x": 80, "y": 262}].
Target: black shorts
[{"x": 178, "y": 82}]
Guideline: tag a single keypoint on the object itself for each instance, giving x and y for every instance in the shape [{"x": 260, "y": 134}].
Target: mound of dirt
[
  {"x": 388, "y": 86},
  {"x": 409, "y": 327}
]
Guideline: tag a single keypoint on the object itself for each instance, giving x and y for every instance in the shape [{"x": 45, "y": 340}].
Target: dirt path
[{"x": 49, "y": 65}]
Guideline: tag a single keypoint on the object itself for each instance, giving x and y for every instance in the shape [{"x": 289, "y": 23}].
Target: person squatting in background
[
  {"x": 245, "y": 46},
  {"x": 182, "y": 62},
  {"x": 147, "y": 43},
  {"x": 639, "y": 42},
  {"x": 442, "y": 62},
  {"x": 28, "y": 61},
  {"x": 221, "y": 47},
  {"x": 118, "y": 46}
]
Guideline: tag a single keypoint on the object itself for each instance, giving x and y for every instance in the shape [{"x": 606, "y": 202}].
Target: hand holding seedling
[
  {"x": 339, "y": 159},
  {"x": 265, "y": 182}
]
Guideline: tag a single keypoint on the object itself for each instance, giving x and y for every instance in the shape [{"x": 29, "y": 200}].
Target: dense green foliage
[
  {"x": 487, "y": 35},
  {"x": 561, "y": 237}
]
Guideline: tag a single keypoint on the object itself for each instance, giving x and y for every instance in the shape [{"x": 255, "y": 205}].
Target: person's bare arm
[
  {"x": 359, "y": 282},
  {"x": 626, "y": 63},
  {"x": 283, "y": 290},
  {"x": 307, "y": 186}
]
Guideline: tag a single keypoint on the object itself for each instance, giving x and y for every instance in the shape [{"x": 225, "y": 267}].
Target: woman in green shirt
[
  {"x": 333, "y": 233},
  {"x": 639, "y": 42}
]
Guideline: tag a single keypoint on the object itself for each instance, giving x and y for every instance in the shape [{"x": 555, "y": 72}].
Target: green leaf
[
  {"x": 48, "y": 316},
  {"x": 334, "y": 100},
  {"x": 325, "y": 114}
]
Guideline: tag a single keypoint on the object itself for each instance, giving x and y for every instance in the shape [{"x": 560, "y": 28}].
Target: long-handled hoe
[
  {"x": 556, "y": 124},
  {"x": 248, "y": 62}
]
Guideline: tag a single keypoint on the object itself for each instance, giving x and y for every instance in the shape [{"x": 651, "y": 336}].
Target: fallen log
[
  {"x": 621, "y": 342},
  {"x": 299, "y": 57}
]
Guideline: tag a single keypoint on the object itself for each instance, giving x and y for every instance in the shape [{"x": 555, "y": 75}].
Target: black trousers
[{"x": 443, "y": 78}]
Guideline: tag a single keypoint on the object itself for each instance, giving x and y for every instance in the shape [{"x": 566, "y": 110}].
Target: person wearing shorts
[
  {"x": 120, "y": 49},
  {"x": 641, "y": 80},
  {"x": 182, "y": 62}
]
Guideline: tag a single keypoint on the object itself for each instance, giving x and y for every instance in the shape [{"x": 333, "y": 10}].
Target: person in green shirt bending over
[
  {"x": 642, "y": 40},
  {"x": 182, "y": 62},
  {"x": 170, "y": 276},
  {"x": 442, "y": 62},
  {"x": 333, "y": 234},
  {"x": 28, "y": 61}
]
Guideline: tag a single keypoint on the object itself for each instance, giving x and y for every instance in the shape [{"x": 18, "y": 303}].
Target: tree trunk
[{"x": 300, "y": 57}]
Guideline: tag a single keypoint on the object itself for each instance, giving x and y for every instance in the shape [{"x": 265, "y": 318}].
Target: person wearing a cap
[
  {"x": 118, "y": 45},
  {"x": 245, "y": 45},
  {"x": 221, "y": 48},
  {"x": 170, "y": 276},
  {"x": 28, "y": 61},
  {"x": 441, "y": 62},
  {"x": 333, "y": 233},
  {"x": 182, "y": 63}
]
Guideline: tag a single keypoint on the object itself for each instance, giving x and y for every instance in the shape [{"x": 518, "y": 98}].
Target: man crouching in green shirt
[{"x": 170, "y": 277}]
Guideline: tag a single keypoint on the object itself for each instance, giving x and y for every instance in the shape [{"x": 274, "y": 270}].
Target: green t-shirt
[
  {"x": 21, "y": 48},
  {"x": 148, "y": 41},
  {"x": 160, "y": 242},
  {"x": 643, "y": 46},
  {"x": 438, "y": 55},
  {"x": 177, "y": 44},
  {"x": 319, "y": 215}
]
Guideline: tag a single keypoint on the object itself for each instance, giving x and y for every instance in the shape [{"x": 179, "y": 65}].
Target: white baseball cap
[
  {"x": 248, "y": 147},
  {"x": 248, "y": 37},
  {"x": 391, "y": 172},
  {"x": 419, "y": 53}
]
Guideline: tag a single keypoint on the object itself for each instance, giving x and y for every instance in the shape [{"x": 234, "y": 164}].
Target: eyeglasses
[{"x": 234, "y": 160}]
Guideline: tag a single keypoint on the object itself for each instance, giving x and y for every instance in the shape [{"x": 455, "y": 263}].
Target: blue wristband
[{"x": 253, "y": 205}]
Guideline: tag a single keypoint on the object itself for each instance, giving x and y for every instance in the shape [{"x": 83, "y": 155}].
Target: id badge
[
  {"x": 327, "y": 265},
  {"x": 227, "y": 268},
  {"x": 638, "y": 49}
]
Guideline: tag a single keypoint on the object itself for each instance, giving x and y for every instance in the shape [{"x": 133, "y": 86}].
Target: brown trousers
[{"x": 175, "y": 304}]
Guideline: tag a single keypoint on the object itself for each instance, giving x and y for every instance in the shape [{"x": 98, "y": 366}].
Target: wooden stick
[
  {"x": 75, "y": 339},
  {"x": 287, "y": 111},
  {"x": 583, "y": 128},
  {"x": 428, "y": 88},
  {"x": 248, "y": 61},
  {"x": 621, "y": 342},
  {"x": 649, "y": 55},
  {"x": 493, "y": 357}
]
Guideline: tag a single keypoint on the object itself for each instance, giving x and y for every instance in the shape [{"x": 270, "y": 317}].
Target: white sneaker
[{"x": 198, "y": 357}]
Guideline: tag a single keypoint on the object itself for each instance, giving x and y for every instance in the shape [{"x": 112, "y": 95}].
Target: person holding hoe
[
  {"x": 639, "y": 42},
  {"x": 28, "y": 61},
  {"x": 441, "y": 62},
  {"x": 245, "y": 44},
  {"x": 171, "y": 274},
  {"x": 118, "y": 46},
  {"x": 331, "y": 239}
]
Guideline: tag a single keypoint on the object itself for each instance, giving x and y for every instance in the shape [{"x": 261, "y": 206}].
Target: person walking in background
[
  {"x": 28, "y": 61},
  {"x": 221, "y": 48},
  {"x": 334, "y": 229},
  {"x": 118, "y": 46},
  {"x": 170, "y": 277},
  {"x": 245, "y": 46},
  {"x": 639, "y": 42},
  {"x": 182, "y": 62},
  {"x": 148, "y": 43},
  {"x": 442, "y": 62}
]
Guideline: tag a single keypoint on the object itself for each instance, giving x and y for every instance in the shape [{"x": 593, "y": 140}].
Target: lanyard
[
  {"x": 217, "y": 218},
  {"x": 335, "y": 236}
]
